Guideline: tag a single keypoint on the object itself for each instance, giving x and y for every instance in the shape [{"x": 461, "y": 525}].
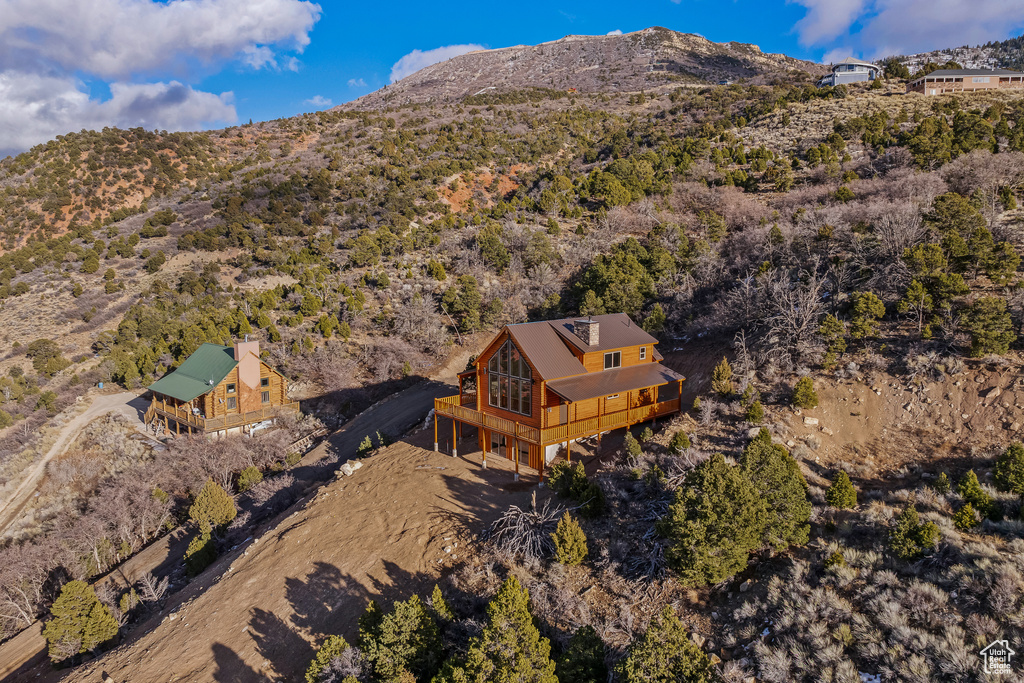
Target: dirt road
[{"x": 124, "y": 403}]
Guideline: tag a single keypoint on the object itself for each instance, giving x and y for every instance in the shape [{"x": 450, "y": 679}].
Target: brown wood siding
[
  {"x": 594, "y": 362},
  {"x": 483, "y": 387}
]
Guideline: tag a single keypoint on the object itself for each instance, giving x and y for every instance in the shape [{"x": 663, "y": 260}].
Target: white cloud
[
  {"x": 616, "y": 32},
  {"x": 48, "y": 46},
  {"x": 419, "y": 59},
  {"x": 356, "y": 83},
  {"x": 877, "y": 28},
  {"x": 319, "y": 101},
  {"x": 115, "y": 39},
  {"x": 35, "y": 108}
]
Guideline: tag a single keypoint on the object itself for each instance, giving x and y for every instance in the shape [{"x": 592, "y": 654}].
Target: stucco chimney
[{"x": 587, "y": 330}]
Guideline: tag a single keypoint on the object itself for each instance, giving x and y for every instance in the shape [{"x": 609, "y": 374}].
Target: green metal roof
[{"x": 200, "y": 373}]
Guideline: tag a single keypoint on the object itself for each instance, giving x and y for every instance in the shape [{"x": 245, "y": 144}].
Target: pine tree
[
  {"x": 403, "y": 641},
  {"x": 666, "y": 654},
  {"x": 440, "y": 605},
  {"x": 777, "y": 479},
  {"x": 200, "y": 554},
  {"x": 910, "y": 538},
  {"x": 965, "y": 518},
  {"x": 989, "y": 325},
  {"x": 679, "y": 442},
  {"x": 918, "y": 302},
  {"x": 78, "y": 623},
  {"x": 510, "y": 649},
  {"x": 713, "y": 524},
  {"x": 867, "y": 309},
  {"x": 631, "y": 445},
  {"x": 804, "y": 395},
  {"x": 721, "y": 378},
  {"x": 941, "y": 484},
  {"x": 583, "y": 658},
  {"x": 1009, "y": 470},
  {"x": 570, "y": 541},
  {"x": 332, "y": 648},
  {"x": 841, "y": 493},
  {"x": 213, "y": 508},
  {"x": 970, "y": 490},
  {"x": 755, "y": 413}
]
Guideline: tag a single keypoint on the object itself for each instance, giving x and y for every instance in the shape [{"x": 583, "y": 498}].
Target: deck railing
[
  {"x": 186, "y": 417},
  {"x": 449, "y": 406}
]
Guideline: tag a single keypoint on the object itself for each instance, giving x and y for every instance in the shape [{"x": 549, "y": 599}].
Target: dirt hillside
[{"x": 387, "y": 531}]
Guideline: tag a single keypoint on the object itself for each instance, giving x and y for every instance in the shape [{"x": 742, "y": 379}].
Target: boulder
[{"x": 810, "y": 421}]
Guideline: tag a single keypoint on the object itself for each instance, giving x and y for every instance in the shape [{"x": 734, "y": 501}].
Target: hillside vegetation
[{"x": 847, "y": 236}]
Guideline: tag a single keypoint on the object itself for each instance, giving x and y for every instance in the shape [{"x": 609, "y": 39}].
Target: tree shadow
[
  {"x": 278, "y": 643},
  {"x": 231, "y": 668}
]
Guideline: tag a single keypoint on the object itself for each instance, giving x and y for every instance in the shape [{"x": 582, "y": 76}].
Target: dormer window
[
  {"x": 643, "y": 353},
  {"x": 612, "y": 360},
  {"x": 508, "y": 380}
]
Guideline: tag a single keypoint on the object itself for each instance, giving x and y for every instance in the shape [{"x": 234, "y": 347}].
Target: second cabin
[{"x": 539, "y": 386}]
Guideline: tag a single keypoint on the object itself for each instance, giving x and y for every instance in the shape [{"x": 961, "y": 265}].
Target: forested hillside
[{"x": 844, "y": 236}]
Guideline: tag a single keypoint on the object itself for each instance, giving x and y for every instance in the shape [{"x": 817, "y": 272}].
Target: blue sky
[{"x": 185, "y": 65}]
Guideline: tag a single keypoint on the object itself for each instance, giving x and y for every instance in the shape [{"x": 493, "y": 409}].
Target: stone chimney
[
  {"x": 247, "y": 353},
  {"x": 587, "y": 330}
]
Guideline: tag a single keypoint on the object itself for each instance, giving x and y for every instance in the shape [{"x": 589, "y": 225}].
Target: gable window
[
  {"x": 612, "y": 360},
  {"x": 643, "y": 353},
  {"x": 231, "y": 388},
  {"x": 232, "y": 402},
  {"x": 508, "y": 380},
  {"x": 264, "y": 381}
]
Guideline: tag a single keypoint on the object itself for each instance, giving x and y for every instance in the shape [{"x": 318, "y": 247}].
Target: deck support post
[
  {"x": 435, "y": 429},
  {"x": 485, "y": 443},
  {"x": 568, "y": 451},
  {"x": 515, "y": 454},
  {"x": 455, "y": 443}
]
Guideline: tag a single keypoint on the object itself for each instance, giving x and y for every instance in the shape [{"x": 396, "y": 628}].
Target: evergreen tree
[
  {"x": 832, "y": 332},
  {"x": 778, "y": 481},
  {"x": 755, "y": 413},
  {"x": 989, "y": 324},
  {"x": 403, "y": 641},
  {"x": 666, "y": 654},
  {"x": 715, "y": 521},
  {"x": 200, "y": 554},
  {"x": 332, "y": 648},
  {"x": 910, "y": 538},
  {"x": 804, "y": 395},
  {"x": 570, "y": 541},
  {"x": 970, "y": 490},
  {"x": 1009, "y": 470},
  {"x": 213, "y": 508},
  {"x": 679, "y": 442},
  {"x": 841, "y": 493},
  {"x": 631, "y": 445},
  {"x": 440, "y": 605},
  {"x": 965, "y": 518},
  {"x": 78, "y": 623},
  {"x": 941, "y": 484},
  {"x": 510, "y": 649},
  {"x": 867, "y": 310},
  {"x": 721, "y": 378},
  {"x": 583, "y": 659},
  {"x": 918, "y": 302}
]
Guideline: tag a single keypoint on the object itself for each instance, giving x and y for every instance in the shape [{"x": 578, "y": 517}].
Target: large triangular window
[{"x": 509, "y": 384}]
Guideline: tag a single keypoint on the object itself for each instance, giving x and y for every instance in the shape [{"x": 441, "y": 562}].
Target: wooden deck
[
  {"x": 451, "y": 406},
  {"x": 196, "y": 423}
]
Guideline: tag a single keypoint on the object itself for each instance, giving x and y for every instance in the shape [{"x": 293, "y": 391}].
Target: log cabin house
[
  {"x": 540, "y": 386},
  {"x": 219, "y": 390}
]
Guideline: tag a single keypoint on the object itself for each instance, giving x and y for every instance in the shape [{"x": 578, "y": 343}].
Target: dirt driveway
[{"x": 124, "y": 403}]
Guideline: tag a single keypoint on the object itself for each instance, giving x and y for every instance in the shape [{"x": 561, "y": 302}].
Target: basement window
[{"x": 612, "y": 360}]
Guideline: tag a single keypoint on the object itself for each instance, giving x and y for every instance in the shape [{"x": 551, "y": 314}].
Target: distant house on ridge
[
  {"x": 966, "y": 80},
  {"x": 850, "y": 71}
]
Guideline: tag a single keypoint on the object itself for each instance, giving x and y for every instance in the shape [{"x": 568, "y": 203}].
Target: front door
[{"x": 563, "y": 413}]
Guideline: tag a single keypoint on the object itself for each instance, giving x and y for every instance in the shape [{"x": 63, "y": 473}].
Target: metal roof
[
  {"x": 200, "y": 373},
  {"x": 615, "y": 331},
  {"x": 540, "y": 344},
  {"x": 856, "y": 62},
  {"x": 609, "y": 382}
]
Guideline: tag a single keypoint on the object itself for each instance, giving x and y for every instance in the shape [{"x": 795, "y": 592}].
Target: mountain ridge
[{"x": 648, "y": 59}]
